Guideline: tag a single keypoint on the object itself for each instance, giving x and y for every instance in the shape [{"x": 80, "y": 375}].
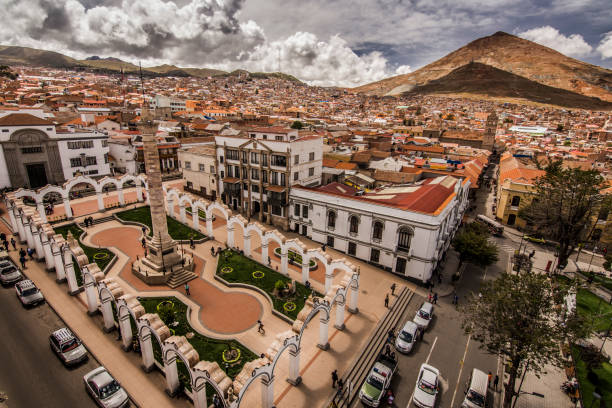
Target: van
[{"x": 476, "y": 391}]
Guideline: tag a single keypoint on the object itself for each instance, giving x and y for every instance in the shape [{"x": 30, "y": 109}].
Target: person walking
[
  {"x": 187, "y": 289},
  {"x": 260, "y": 327},
  {"x": 2, "y": 236},
  {"x": 489, "y": 377},
  {"x": 191, "y": 245},
  {"x": 340, "y": 385},
  {"x": 496, "y": 382},
  {"x": 30, "y": 252},
  {"x": 6, "y": 246},
  {"x": 455, "y": 299},
  {"x": 387, "y": 300},
  {"x": 22, "y": 259},
  {"x": 393, "y": 289},
  {"x": 22, "y": 253},
  {"x": 334, "y": 375},
  {"x": 144, "y": 230},
  {"x": 435, "y": 298},
  {"x": 13, "y": 243},
  {"x": 144, "y": 242}
]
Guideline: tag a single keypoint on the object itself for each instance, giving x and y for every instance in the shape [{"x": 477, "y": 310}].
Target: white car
[
  {"x": 105, "y": 390},
  {"x": 407, "y": 337},
  {"x": 427, "y": 386},
  {"x": 423, "y": 316},
  {"x": 28, "y": 293}
]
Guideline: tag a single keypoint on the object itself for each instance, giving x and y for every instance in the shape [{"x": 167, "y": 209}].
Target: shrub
[{"x": 279, "y": 285}]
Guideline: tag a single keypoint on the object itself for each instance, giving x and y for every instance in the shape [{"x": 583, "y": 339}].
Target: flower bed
[
  {"x": 258, "y": 274},
  {"x": 244, "y": 271},
  {"x": 227, "y": 269},
  {"x": 296, "y": 258},
  {"x": 176, "y": 229}
]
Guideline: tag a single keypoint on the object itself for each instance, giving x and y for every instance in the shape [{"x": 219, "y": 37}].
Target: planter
[
  {"x": 258, "y": 274},
  {"x": 231, "y": 355},
  {"x": 289, "y": 306},
  {"x": 227, "y": 269},
  {"x": 165, "y": 303},
  {"x": 100, "y": 256}
]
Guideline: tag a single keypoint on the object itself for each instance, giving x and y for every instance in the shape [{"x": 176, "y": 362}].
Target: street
[{"x": 31, "y": 375}]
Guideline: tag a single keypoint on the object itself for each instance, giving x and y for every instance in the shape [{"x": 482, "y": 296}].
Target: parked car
[
  {"x": 424, "y": 315},
  {"x": 427, "y": 386},
  {"x": 378, "y": 380},
  {"x": 28, "y": 293},
  {"x": 105, "y": 390},
  {"x": 9, "y": 273},
  {"x": 67, "y": 346},
  {"x": 407, "y": 337},
  {"x": 476, "y": 390}
]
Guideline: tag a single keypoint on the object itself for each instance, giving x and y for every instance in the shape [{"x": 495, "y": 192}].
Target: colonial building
[
  {"x": 471, "y": 138},
  {"x": 257, "y": 172},
  {"x": 199, "y": 168},
  {"x": 404, "y": 229},
  {"x": 34, "y": 153}
]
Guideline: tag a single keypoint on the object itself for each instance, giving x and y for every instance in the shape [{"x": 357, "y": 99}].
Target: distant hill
[
  {"x": 514, "y": 55},
  {"x": 10, "y": 55},
  {"x": 484, "y": 80}
]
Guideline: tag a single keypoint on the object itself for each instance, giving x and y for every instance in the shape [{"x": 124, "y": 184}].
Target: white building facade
[{"x": 405, "y": 241}]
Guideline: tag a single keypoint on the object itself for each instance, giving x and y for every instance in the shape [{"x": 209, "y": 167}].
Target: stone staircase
[
  {"x": 98, "y": 221},
  {"x": 180, "y": 277}
]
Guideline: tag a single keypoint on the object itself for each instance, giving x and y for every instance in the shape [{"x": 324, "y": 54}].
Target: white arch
[
  {"x": 107, "y": 180},
  {"x": 79, "y": 180},
  {"x": 222, "y": 208}
]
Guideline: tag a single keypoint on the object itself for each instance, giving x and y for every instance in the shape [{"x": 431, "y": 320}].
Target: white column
[
  {"x": 209, "y": 226},
  {"x": 100, "y": 198},
  {"x": 323, "y": 333},
  {"x": 67, "y": 208},
  {"x": 73, "y": 286},
  {"x": 170, "y": 207},
  {"x": 182, "y": 212},
  {"x": 340, "y": 315},
  {"x": 41, "y": 211},
  {"x": 329, "y": 277},
  {"x": 91, "y": 293},
  {"x": 138, "y": 192},
  {"x": 146, "y": 349},
  {"x": 247, "y": 244},
  {"x": 198, "y": 394},
  {"x": 284, "y": 261},
  {"x": 264, "y": 253},
  {"x": 305, "y": 269},
  {"x": 107, "y": 313},
  {"x": 172, "y": 381},
  {"x": 47, "y": 249},
  {"x": 126, "y": 331},
  {"x": 11, "y": 211},
  {"x": 230, "y": 236},
  {"x": 195, "y": 218},
  {"x": 28, "y": 232},
  {"x": 38, "y": 244},
  {"x": 60, "y": 272},
  {"x": 294, "y": 367},
  {"x": 120, "y": 194},
  {"x": 20, "y": 229},
  {"x": 148, "y": 200},
  {"x": 267, "y": 392},
  {"x": 353, "y": 301}
]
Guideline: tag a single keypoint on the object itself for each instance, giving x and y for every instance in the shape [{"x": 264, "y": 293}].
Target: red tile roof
[{"x": 23, "y": 119}]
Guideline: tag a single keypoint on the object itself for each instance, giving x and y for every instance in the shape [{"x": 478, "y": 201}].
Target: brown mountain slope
[
  {"x": 515, "y": 55},
  {"x": 480, "y": 79}
]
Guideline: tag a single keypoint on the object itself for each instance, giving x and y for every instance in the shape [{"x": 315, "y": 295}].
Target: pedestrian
[
  {"x": 323, "y": 247},
  {"x": 307, "y": 284},
  {"x": 13, "y": 243},
  {"x": 387, "y": 300},
  {"x": 390, "y": 336},
  {"x": 187, "y": 289},
  {"x": 334, "y": 375},
  {"x": 269, "y": 260},
  {"x": 455, "y": 299},
  {"x": 496, "y": 381},
  {"x": 215, "y": 401},
  {"x": 435, "y": 298},
  {"x": 260, "y": 327},
  {"x": 144, "y": 242},
  {"x": 421, "y": 334},
  {"x": 212, "y": 251},
  {"x": 23, "y": 262},
  {"x": 439, "y": 278},
  {"x": 532, "y": 254},
  {"x": 31, "y": 253},
  {"x": 489, "y": 376},
  {"x": 387, "y": 349},
  {"x": 22, "y": 252},
  {"x": 191, "y": 243},
  {"x": 2, "y": 236},
  {"x": 393, "y": 289},
  {"x": 145, "y": 252},
  {"x": 340, "y": 385},
  {"x": 429, "y": 297},
  {"x": 6, "y": 244}
]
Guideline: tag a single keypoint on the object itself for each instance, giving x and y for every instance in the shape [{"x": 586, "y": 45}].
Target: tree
[
  {"x": 520, "y": 317},
  {"x": 297, "y": 125},
  {"x": 472, "y": 245},
  {"x": 564, "y": 206}
]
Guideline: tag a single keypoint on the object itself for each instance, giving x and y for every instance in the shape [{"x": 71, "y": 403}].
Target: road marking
[
  {"x": 462, "y": 363},
  {"x": 426, "y": 362}
]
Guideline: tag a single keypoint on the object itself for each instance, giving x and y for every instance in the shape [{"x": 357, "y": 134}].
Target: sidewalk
[{"x": 548, "y": 385}]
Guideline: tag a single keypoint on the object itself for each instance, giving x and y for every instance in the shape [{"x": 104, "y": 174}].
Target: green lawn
[
  {"x": 208, "y": 349},
  {"x": 595, "y": 308},
  {"x": 201, "y": 213},
  {"x": 101, "y": 256},
  {"x": 176, "y": 229},
  {"x": 242, "y": 272},
  {"x": 603, "y": 383}
]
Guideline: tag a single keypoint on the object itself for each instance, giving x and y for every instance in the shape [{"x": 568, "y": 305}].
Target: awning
[
  {"x": 276, "y": 189},
  {"x": 231, "y": 180}
]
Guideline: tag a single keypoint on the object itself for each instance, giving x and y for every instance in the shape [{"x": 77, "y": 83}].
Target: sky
[{"x": 322, "y": 42}]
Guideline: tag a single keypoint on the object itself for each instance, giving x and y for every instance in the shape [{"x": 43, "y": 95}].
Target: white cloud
[
  {"x": 403, "y": 69},
  {"x": 572, "y": 45},
  {"x": 605, "y": 46}
]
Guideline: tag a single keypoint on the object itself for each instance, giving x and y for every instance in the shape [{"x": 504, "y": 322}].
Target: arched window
[
  {"x": 516, "y": 200},
  {"x": 353, "y": 224},
  {"x": 331, "y": 219},
  {"x": 404, "y": 238},
  {"x": 377, "y": 230}
]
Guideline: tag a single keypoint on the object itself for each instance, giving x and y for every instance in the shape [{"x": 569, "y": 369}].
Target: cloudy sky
[{"x": 323, "y": 42}]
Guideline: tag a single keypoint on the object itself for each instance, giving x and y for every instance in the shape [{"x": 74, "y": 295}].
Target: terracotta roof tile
[{"x": 23, "y": 119}]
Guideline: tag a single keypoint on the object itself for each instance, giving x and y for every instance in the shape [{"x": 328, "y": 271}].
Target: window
[
  {"x": 222, "y": 174},
  {"x": 81, "y": 144},
  {"x": 105, "y": 157},
  {"x": 377, "y": 230},
  {"x": 232, "y": 154},
  {"x": 244, "y": 173},
  {"x": 277, "y": 210},
  {"x": 516, "y": 201},
  {"x": 283, "y": 181},
  {"x": 296, "y": 176},
  {"x": 296, "y": 210},
  {"x": 91, "y": 160},
  {"x": 264, "y": 176},
  {"x": 274, "y": 178},
  {"x": 311, "y": 172},
  {"x": 296, "y": 159},
  {"x": 331, "y": 219},
  {"x": 311, "y": 156},
  {"x": 31, "y": 150},
  {"x": 352, "y": 248},
  {"x": 264, "y": 159},
  {"x": 400, "y": 266},
  {"x": 278, "y": 138},
  {"x": 244, "y": 157},
  {"x": 330, "y": 241},
  {"x": 201, "y": 167},
  {"x": 255, "y": 174},
  {"x": 511, "y": 219},
  {"x": 265, "y": 137},
  {"x": 254, "y": 158},
  {"x": 212, "y": 169},
  {"x": 237, "y": 171},
  {"x": 375, "y": 255},
  {"x": 188, "y": 165},
  {"x": 220, "y": 159},
  {"x": 75, "y": 162},
  {"x": 255, "y": 188},
  {"x": 404, "y": 238},
  {"x": 252, "y": 135},
  {"x": 277, "y": 160},
  {"x": 104, "y": 143},
  {"x": 305, "y": 211},
  {"x": 229, "y": 171},
  {"x": 353, "y": 224}
]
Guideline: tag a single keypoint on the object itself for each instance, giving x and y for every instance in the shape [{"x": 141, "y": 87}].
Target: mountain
[
  {"x": 515, "y": 55},
  {"x": 480, "y": 79},
  {"x": 30, "y": 56}
]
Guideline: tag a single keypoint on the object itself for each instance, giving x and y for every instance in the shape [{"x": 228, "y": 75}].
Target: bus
[{"x": 495, "y": 227}]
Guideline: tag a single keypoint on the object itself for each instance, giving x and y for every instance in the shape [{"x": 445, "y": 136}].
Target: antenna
[{"x": 141, "y": 80}]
